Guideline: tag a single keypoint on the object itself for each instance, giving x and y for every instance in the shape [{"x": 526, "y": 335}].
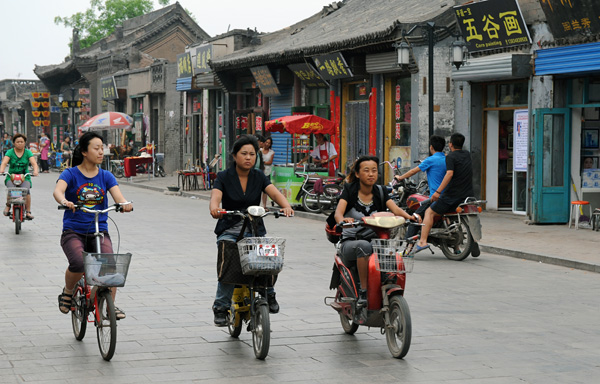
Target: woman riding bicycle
[
  {"x": 238, "y": 188},
  {"x": 85, "y": 183},
  {"x": 19, "y": 159},
  {"x": 362, "y": 197}
]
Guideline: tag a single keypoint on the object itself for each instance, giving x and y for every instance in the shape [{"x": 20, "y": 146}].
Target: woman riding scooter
[
  {"x": 18, "y": 159},
  {"x": 362, "y": 197}
]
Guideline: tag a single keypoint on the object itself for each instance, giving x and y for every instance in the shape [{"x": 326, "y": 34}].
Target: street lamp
[{"x": 457, "y": 52}]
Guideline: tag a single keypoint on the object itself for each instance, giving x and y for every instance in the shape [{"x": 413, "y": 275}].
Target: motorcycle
[
  {"x": 399, "y": 191},
  {"x": 386, "y": 309},
  {"x": 456, "y": 233},
  {"x": 16, "y": 199},
  {"x": 319, "y": 194}
]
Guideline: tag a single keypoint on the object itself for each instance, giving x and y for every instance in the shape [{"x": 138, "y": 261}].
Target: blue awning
[
  {"x": 184, "y": 84},
  {"x": 569, "y": 59}
]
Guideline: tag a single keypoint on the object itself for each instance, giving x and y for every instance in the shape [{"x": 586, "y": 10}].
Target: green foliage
[{"x": 100, "y": 20}]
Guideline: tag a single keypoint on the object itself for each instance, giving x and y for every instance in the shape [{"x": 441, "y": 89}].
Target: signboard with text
[
  {"x": 308, "y": 75},
  {"x": 203, "y": 55},
  {"x": 109, "y": 88},
  {"x": 520, "y": 140},
  {"x": 265, "y": 81},
  {"x": 184, "y": 65},
  {"x": 572, "y": 18},
  {"x": 332, "y": 66},
  {"x": 492, "y": 24}
]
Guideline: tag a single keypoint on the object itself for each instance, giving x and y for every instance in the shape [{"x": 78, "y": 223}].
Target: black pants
[{"x": 44, "y": 165}]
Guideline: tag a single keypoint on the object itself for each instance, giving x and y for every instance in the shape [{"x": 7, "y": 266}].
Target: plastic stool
[
  {"x": 576, "y": 207},
  {"x": 596, "y": 219}
]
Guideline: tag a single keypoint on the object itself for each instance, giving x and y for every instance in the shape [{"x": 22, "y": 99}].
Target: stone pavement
[{"x": 503, "y": 233}]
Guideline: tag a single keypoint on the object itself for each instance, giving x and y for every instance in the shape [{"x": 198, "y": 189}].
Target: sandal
[
  {"x": 64, "y": 302},
  {"x": 7, "y": 210},
  {"x": 28, "y": 215},
  {"x": 119, "y": 313}
]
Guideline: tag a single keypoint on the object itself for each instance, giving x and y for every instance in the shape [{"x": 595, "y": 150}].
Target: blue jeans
[{"x": 225, "y": 290}]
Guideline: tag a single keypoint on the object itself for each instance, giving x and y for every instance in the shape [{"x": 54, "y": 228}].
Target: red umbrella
[
  {"x": 108, "y": 120},
  {"x": 301, "y": 124}
]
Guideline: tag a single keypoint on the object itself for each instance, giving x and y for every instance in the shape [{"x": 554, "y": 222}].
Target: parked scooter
[
  {"x": 319, "y": 194},
  {"x": 386, "y": 309},
  {"x": 455, "y": 233},
  {"x": 16, "y": 199}
]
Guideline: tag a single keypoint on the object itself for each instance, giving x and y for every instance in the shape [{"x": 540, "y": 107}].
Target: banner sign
[
  {"x": 520, "y": 140},
  {"x": 492, "y": 24},
  {"x": 572, "y": 18},
  {"x": 109, "y": 88},
  {"x": 308, "y": 75},
  {"x": 265, "y": 81},
  {"x": 332, "y": 66},
  {"x": 184, "y": 65},
  {"x": 203, "y": 55}
]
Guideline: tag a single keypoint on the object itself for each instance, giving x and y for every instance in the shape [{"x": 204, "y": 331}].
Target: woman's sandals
[{"x": 64, "y": 302}]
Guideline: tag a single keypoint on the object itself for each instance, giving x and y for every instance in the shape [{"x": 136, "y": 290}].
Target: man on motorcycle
[
  {"x": 435, "y": 168},
  {"x": 457, "y": 185}
]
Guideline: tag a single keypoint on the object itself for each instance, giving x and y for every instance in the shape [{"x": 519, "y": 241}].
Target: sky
[{"x": 30, "y": 37}]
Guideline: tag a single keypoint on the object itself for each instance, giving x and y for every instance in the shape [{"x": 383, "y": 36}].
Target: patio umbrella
[
  {"x": 301, "y": 124},
  {"x": 108, "y": 121}
]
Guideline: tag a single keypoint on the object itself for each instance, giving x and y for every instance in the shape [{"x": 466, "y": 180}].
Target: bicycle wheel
[
  {"x": 80, "y": 313},
  {"x": 327, "y": 202},
  {"x": 118, "y": 172},
  {"x": 106, "y": 329},
  {"x": 159, "y": 171},
  {"x": 234, "y": 330},
  {"x": 399, "y": 330},
  {"x": 17, "y": 219},
  {"x": 261, "y": 334},
  {"x": 310, "y": 201}
]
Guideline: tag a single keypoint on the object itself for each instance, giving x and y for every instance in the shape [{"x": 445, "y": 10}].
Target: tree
[{"x": 100, "y": 20}]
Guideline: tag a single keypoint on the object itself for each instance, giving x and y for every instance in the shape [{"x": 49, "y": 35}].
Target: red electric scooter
[
  {"x": 16, "y": 199},
  {"x": 386, "y": 309}
]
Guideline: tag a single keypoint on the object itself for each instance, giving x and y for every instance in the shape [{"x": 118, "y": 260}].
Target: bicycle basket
[
  {"x": 389, "y": 256},
  {"x": 261, "y": 255},
  {"x": 106, "y": 269},
  {"x": 16, "y": 195}
]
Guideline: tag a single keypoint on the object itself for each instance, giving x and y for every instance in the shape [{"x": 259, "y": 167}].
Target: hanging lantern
[{"x": 35, "y": 113}]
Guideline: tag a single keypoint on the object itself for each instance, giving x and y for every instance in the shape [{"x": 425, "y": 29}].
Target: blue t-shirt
[
  {"x": 435, "y": 167},
  {"x": 92, "y": 193}
]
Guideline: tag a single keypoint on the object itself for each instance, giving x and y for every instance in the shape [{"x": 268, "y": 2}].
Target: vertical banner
[
  {"x": 520, "y": 140},
  {"x": 373, "y": 122}
]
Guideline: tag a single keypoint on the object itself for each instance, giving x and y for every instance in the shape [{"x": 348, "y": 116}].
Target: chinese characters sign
[
  {"x": 308, "y": 75},
  {"x": 492, "y": 24},
  {"x": 265, "y": 81},
  {"x": 332, "y": 66},
  {"x": 572, "y": 17},
  {"x": 109, "y": 88},
  {"x": 203, "y": 55},
  {"x": 184, "y": 65}
]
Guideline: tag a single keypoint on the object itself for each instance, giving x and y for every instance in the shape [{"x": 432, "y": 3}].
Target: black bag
[{"x": 229, "y": 269}]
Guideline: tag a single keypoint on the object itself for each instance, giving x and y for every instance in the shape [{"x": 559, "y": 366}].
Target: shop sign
[
  {"x": 520, "y": 140},
  {"x": 196, "y": 105},
  {"x": 84, "y": 91},
  {"x": 203, "y": 55},
  {"x": 109, "y": 88},
  {"x": 184, "y": 65},
  {"x": 492, "y": 24},
  {"x": 572, "y": 18},
  {"x": 332, "y": 66},
  {"x": 265, "y": 80},
  {"x": 258, "y": 122},
  {"x": 308, "y": 75}
]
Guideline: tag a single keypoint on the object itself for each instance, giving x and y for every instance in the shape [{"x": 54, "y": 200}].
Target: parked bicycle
[
  {"x": 92, "y": 294},
  {"x": 261, "y": 258},
  {"x": 117, "y": 168}
]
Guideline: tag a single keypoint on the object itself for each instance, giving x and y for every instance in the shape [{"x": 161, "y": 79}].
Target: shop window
[
  {"x": 318, "y": 96},
  {"x": 360, "y": 91},
  {"x": 594, "y": 90},
  {"x": 401, "y": 111},
  {"x": 506, "y": 95},
  {"x": 491, "y": 96}
]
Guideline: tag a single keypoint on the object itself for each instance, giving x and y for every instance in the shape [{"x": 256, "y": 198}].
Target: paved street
[{"x": 490, "y": 320}]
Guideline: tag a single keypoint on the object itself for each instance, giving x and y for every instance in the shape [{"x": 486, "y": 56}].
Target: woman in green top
[{"x": 18, "y": 159}]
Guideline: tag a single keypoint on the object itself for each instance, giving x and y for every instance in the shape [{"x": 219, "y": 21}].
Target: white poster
[{"x": 520, "y": 140}]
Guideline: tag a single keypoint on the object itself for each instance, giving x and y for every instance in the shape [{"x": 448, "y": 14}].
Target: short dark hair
[
  {"x": 259, "y": 137},
  {"x": 457, "y": 140},
  {"x": 356, "y": 166},
  {"x": 437, "y": 142},
  {"x": 244, "y": 140},
  {"x": 17, "y": 135}
]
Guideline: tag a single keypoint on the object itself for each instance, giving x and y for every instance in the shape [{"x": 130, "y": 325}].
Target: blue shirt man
[{"x": 434, "y": 166}]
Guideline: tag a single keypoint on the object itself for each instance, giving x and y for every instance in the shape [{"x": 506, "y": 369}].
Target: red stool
[{"x": 576, "y": 210}]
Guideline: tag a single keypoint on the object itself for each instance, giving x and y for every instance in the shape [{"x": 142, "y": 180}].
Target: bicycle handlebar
[
  {"x": 244, "y": 214},
  {"x": 8, "y": 173},
  {"x": 115, "y": 207}
]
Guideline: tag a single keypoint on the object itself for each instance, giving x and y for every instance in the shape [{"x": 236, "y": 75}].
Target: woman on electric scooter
[
  {"x": 238, "y": 188},
  {"x": 85, "y": 183},
  {"x": 362, "y": 197},
  {"x": 18, "y": 159}
]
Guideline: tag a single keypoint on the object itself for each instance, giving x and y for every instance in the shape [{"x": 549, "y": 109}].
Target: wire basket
[
  {"x": 390, "y": 258},
  {"x": 261, "y": 255},
  {"x": 106, "y": 269},
  {"x": 16, "y": 195}
]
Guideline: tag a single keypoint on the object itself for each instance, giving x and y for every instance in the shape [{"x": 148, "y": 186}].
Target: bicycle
[
  {"x": 261, "y": 258},
  {"x": 117, "y": 168},
  {"x": 92, "y": 294},
  {"x": 16, "y": 198}
]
